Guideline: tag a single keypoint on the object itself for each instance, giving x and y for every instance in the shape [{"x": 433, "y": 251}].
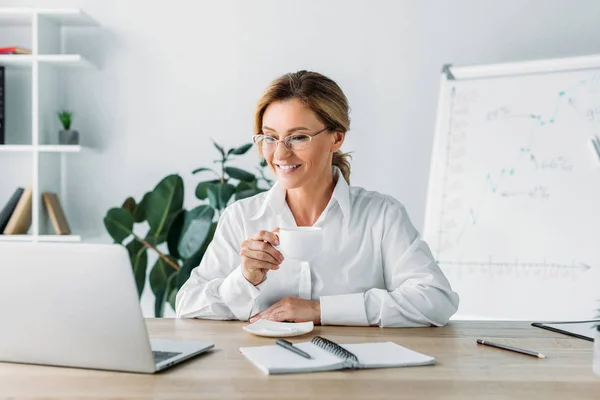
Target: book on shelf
[
  {"x": 2, "y": 116},
  {"x": 14, "y": 50},
  {"x": 20, "y": 220},
  {"x": 9, "y": 208},
  {"x": 56, "y": 213}
]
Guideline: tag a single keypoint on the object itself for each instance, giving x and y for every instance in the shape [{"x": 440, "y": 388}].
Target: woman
[{"x": 373, "y": 268}]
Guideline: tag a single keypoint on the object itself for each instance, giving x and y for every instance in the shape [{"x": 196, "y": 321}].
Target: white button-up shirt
[{"x": 373, "y": 268}]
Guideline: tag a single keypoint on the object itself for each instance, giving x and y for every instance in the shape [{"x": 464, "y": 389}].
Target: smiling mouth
[{"x": 288, "y": 167}]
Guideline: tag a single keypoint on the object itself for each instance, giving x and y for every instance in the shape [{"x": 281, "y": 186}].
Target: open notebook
[{"x": 328, "y": 356}]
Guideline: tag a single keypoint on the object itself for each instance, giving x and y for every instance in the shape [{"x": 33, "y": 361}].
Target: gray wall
[{"x": 175, "y": 74}]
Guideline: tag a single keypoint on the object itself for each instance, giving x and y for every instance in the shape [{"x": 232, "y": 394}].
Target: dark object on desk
[
  {"x": 334, "y": 348},
  {"x": 9, "y": 208},
  {"x": 511, "y": 348},
  {"x": 579, "y": 329},
  {"x": 290, "y": 346}
]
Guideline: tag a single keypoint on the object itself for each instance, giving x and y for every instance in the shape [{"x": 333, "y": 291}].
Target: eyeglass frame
[{"x": 289, "y": 146}]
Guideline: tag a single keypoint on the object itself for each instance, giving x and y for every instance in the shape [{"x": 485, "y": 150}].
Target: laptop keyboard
[{"x": 160, "y": 356}]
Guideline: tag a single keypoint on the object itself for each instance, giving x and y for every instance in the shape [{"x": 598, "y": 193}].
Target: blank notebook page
[
  {"x": 276, "y": 359},
  {"x": 388, "y": 354}
]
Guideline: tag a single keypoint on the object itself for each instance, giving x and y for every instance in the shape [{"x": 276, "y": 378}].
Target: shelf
[
  {"x": 59, "y": 238},
  {"x": 61, "y": 17},
  {"x": 40, "y": 238},
  {"x": 41, "y": 149},
  {"x": 65, "y": 60},
  {"x": 16, "y": 60},
  {"x": 16, "y": 238},
  {"x": 16, "y": 148},
  {"x": 59, "y": 148},
  {"x": 39, "y": 83},
  {"x": 57, "y": 60}
]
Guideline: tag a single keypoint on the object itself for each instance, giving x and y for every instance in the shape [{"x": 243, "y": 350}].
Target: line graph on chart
[{"x": 515, "y": 162}]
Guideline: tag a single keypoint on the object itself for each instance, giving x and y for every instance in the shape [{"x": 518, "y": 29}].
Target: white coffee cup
[{"x": 302, "y": 243}]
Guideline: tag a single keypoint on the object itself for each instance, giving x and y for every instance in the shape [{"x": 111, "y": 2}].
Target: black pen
[
  {"x": 288, "y": 345},
  {"x": 510, "y": 348}
]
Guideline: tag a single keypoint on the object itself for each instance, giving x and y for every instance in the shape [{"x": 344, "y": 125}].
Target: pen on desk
[
  {"x": 288, "y": 345},
  {"x": 510, "y": 348}
]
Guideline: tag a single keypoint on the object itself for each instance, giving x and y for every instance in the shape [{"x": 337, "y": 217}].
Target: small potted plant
[{"x": 67, "y": 135}]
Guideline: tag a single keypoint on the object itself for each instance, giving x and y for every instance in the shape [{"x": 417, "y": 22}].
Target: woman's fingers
[
  {"x": 266, "y": 236},
  {"x": 271, "y": 254},
  {"x": 257, "y": 263},
  {"x": 265, "y": 314},
  {"x": 267, "y": 249},
  {"x": 259, "y": 256}
]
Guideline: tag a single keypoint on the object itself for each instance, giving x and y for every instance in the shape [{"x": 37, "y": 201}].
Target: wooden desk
[{"x": 464, "y": 370}]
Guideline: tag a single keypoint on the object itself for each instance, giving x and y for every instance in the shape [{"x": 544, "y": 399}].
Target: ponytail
[{"x": 342, "y": 161}]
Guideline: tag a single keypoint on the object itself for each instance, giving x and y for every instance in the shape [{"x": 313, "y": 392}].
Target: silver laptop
[{"x": 76, "y": 305}]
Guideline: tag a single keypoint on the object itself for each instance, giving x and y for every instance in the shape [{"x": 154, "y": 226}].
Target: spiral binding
[{"x": 334, "y": 348}]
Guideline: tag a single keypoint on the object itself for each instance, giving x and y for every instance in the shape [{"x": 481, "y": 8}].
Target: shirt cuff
[
  {"x": 238, "y": 294},
  {"x": 344, "y": 309}
]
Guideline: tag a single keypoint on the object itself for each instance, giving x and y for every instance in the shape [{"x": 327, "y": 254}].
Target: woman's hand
[
  {"x": 292, "y": 309},
  {"x": 259, "y": 256}
]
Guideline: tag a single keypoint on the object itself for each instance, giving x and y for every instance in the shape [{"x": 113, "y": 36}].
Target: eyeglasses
[{"x": 293, "y": 142}]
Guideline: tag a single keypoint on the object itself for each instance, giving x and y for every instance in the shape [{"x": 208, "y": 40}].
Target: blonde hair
[{"x": 321, "y": 95}]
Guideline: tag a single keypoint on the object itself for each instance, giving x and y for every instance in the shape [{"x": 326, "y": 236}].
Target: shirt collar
[
  {"x": 275, "y": 198},
  {"x": 341, "y": 193}
]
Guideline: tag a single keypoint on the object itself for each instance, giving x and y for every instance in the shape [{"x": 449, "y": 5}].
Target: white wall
[{"x": 175, "y": 74}]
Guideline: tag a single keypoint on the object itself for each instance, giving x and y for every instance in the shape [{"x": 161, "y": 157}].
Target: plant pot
[
  {"x": 596, "y": 356},
  {"x": 68, "y": 137}
]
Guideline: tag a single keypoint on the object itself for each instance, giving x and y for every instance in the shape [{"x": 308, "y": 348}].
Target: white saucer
[{"x": 263, "y": 327}]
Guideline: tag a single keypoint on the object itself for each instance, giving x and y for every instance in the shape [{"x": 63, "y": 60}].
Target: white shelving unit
[{"x": 34, "y": 92}]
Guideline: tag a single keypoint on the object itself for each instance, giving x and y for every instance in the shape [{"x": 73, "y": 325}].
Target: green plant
[
  {"x": 65, "y": 117},
  {"x": 179, "y": 237}
]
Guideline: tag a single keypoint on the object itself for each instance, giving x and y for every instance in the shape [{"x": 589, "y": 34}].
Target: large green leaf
[
  {"x": 138, "y": 255},
  {"x": 139, "y": 214},
  {"x": 159, "y": 276},
  {"x": 246, "y": 189},
  {"x": 168, "y": 294},
  {"x": 201, "y": 189},
  {"x": 163, "y": 203},
  {"x": 240, "y": 174},
  {"x": 155, "y": 238},
  {"x": 174, "y": 234},
  {"x": 173, "y": 296},
  {"x": 159, "y": 302},
  {"x": 195, "y": 228},
  {"x": 219, "y": 194},
  {"x": 243, "y": 149},
  {"x": 129, "y": 205},
  {"x": 247, "y": 193},
  {"x": 119, "y": 224},
  {"x": 192, "y": 262},
  {"x": 161, "y": 270}
]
